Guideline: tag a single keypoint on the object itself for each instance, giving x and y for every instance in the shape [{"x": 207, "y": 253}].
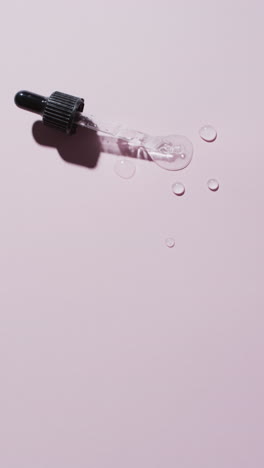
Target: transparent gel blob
[
  {"x": 170, "y": 242},
  {"x": 178, "y": 189},
  {"x": 173, "y": 152},
  {"x": 208, "y": 133},
  {"x": 213, "y": 185},
  {"x": 125, "y": 168}
]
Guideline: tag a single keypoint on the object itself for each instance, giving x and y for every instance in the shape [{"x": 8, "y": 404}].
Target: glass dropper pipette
[{"x": 64, "y": 112}]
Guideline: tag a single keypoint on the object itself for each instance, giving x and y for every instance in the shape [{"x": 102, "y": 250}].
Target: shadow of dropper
[{"x": 84, "y": 147}]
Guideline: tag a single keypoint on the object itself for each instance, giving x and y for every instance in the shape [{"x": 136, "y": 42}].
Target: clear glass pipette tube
[{"x": 172, "y": 152}]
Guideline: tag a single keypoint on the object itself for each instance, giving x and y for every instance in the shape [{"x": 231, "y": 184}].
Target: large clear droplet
[{"x": 173, "y": 152}]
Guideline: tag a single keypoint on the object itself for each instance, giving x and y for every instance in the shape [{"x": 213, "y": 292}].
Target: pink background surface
[{"x": 115, "y": 351}]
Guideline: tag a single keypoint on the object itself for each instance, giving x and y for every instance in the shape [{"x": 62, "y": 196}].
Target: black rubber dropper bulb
[
  {"x": 31, "y": 101},
  {"x": 59, "y": 111}
]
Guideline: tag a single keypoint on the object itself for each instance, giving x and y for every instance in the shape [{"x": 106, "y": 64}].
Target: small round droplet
[
  {"x": 208, "y": 133},
  {"x": 178, "y": 189},
  {"x": 170, "y": 242},
  {"x": 213, "y": 185},
  {"x": 125, "y": 168}
]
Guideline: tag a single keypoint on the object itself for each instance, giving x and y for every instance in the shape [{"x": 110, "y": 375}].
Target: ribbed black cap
[{"x": 60, "y": 111}]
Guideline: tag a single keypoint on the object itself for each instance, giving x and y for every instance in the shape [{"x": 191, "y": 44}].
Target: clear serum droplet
[
  {"x": 178, "y": 189},
  {"x": 172, "y": 152},
  {"x": 170, "y": 242},
  {"x": 208, "y": 133},
  {"x": 125, "y": 168},
  {"x": 213, "y": 185}
]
